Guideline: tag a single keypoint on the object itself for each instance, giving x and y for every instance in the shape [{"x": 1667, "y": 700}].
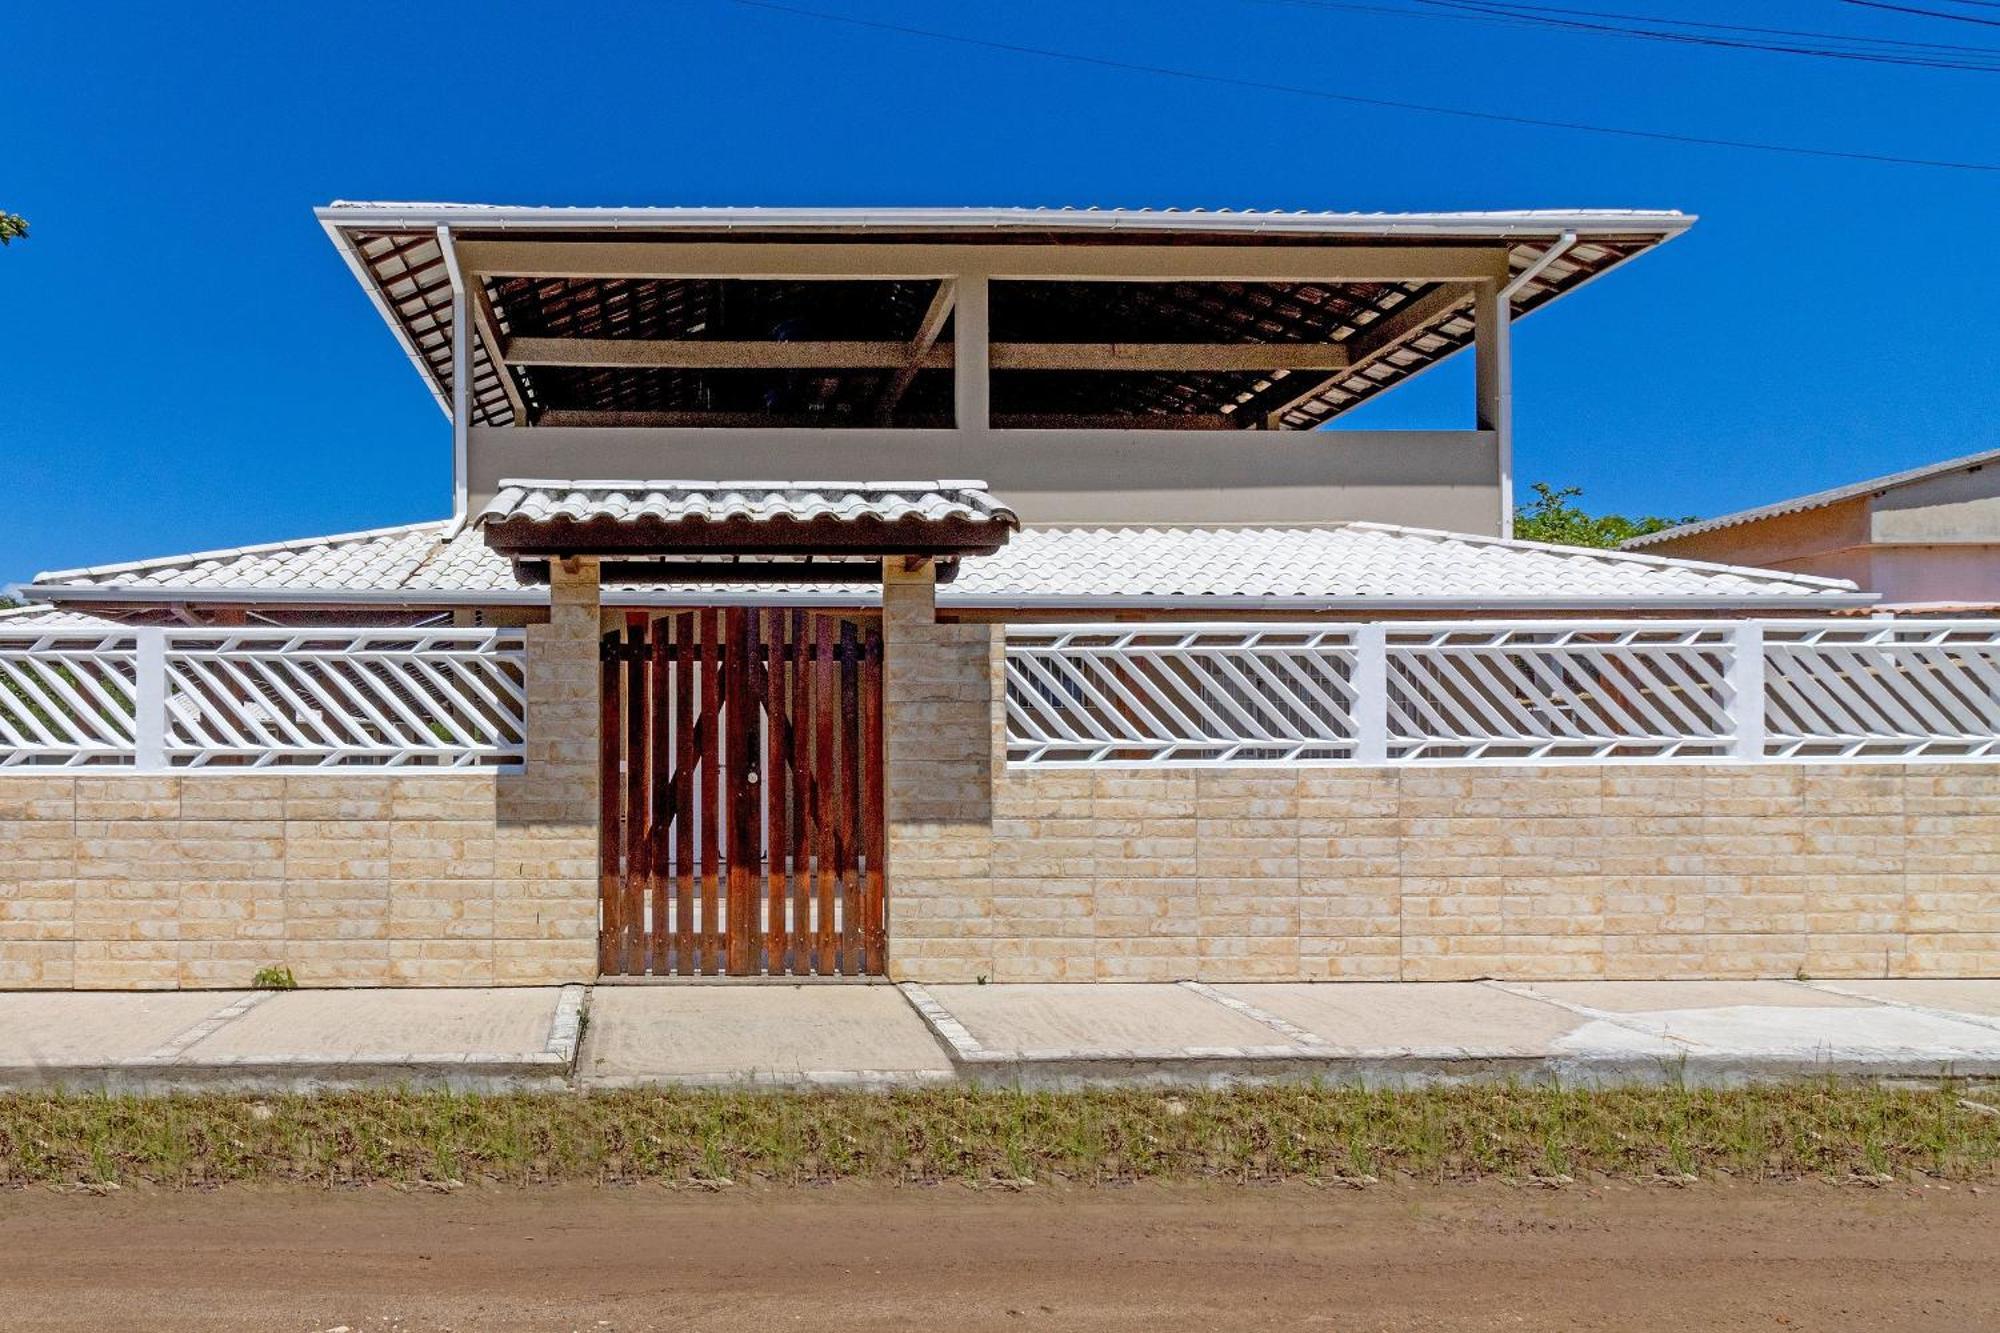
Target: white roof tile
[
  {"x": 1359, "y": 564},
  {"x": 379, "y": 559},
  {"x": 1345, "y": 562},
  {"x": 758, "y": 501},
  {"x": 49, "y": 617}
]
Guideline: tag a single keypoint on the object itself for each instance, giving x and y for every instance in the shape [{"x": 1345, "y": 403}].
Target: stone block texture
[
  {"x": 360, "y": 879},
  {"x": 1115, "y": 874},
  {"x": 1424, "y": 874},
  {"x": 350, "y": 878},
  {"x": 1326, "y": 874}
]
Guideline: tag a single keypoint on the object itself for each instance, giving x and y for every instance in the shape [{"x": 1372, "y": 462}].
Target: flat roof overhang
[{"x": 587, "y": 315}]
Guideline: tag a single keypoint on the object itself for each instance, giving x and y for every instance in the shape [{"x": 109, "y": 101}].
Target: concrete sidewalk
[
  {"x": 1400, "y": 1033},
  {"x": 760, "y": 1035},
  {"x": 281, "y": 1041},
  {"x": 766, "y": 1034}
]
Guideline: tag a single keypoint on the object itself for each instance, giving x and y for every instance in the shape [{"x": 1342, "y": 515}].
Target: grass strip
[{"x": 1264, "y": 1134}]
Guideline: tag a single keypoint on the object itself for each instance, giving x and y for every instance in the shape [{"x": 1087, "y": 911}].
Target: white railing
[
  {"x": 1573, "y": 691},
  {"x": 154, "y": 699},
  {"x": 1893, "y": 689},
  {"x": 1503, "y": 692},
  {"x": 66, "y": 698},
  {"x": 1181, "y": 693}
]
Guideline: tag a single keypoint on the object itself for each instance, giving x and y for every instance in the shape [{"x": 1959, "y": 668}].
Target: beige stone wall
[
  {"x": 351, "y": 880},
  {"x": 354, "y": 878},
  {"x": 1441, "y": 874},
  {"x": 1419, "y": 874},
  {"x": 373, "y": 878}
]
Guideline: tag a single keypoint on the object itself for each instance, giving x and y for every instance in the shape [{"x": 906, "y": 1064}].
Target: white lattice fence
[
  {"x": 158, "y": 699},
  {"x": 66, "y": 699},
  {"x": 1504, "y": 692},
  {"x": 1559, "y": 691},
  {"x": 1180, "y": 694},
  {"x": 396, "y": 698},
  {"x": 1895, "y": 689}
]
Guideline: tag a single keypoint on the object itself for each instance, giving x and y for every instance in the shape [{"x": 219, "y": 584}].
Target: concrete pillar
[
  {"x": 1493, "y": 372},
  {"x": 545, "y": 909},
  {"x": 942, "y": 726}
]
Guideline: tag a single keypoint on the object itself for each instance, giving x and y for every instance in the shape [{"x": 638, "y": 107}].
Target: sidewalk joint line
[
  {"x": 1258, "y": 1015},
  {"x": 175, "y": 1046},
  {"x": 1527, "y": 992}
]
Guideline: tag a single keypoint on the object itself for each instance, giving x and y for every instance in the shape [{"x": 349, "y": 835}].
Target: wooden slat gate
[{"x": 742, "y": 795}]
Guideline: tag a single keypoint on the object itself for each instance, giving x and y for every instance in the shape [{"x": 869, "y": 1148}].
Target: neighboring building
[
  {"x": 1925, "y": 538},
  {"x": 1176, "y": 687}
]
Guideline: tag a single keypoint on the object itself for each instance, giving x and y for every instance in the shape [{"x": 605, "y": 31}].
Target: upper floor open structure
[
  {"x": 1142, "y": 391},
  {"x": 1093, "y": 366}
]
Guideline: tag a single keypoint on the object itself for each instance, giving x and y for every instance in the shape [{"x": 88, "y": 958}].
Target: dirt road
[{"x": 1389, "y": 1258}]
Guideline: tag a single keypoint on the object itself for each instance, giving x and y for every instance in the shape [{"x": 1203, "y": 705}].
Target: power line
[
  {"x": 1924, "y": 13},
  {"x": 1320, "y": 94},
  {"x": 1923, "y": 55},
  {"x": 1831, "y": 46},
  {"x": 1862, "y": 38}
]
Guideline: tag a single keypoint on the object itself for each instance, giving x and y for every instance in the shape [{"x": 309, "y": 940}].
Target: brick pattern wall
[
  {"x": 352, "y": 880},
  {"x": 374, "y": 878},
  {"x": 356, "y": 878},
  {"x": 1444, "y": 874},
  {"x": 1422, "y": 874}
]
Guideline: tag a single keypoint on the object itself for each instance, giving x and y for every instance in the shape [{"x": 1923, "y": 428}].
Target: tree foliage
[
  {"x": 1552, "y": 516},
  {"x": 13, "y": 227}
]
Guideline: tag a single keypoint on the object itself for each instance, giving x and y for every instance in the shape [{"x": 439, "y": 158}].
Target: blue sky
[{"x": 187, "y": 363}]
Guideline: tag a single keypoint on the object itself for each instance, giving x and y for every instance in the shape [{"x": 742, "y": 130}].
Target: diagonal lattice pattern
[
  {"x": 1505, "y": 692},
  {"x": 392, "y": 698},
  {"x": 66, "y": 699},
  {"x": 1558, "y": 691},
  {"x": 1180, "y": 694},
  {"x": 262, "y": 698},
  {"x": 1901, "y": 690}
]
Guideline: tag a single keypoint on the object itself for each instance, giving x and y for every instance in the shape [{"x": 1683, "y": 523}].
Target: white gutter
[
  {"x": 461, "y": 385},
  {"x": 1491, "y": 605},
  {"x": 763, "y": 595}
]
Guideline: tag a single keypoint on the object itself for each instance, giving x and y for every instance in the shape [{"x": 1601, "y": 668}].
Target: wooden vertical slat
[
  {"x": 755, "y": 690},
  {"x": 825, "y": 808},
  {"x": 777, "y": 747},
  {"x": 847, "y": 858},
  {"x": 875, "y": 902},
  {"x": 684, "y": 794},
  {"x": 711, "y": 790},
  {"x": 610, "y": 807},
  {"x": 740, "y": 744},
  {"x": 632, "y": 912},
  {"x": 660, "y": 798},
  {"x": 799, "y": 787}
]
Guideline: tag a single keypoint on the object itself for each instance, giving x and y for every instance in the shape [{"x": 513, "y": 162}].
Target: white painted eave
[{"x": 1502, "y": 225}]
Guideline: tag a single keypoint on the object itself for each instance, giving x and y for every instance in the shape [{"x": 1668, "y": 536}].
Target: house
[
  {"x": 967, "y": 593},
  {"x": 1928, "y": 538}
]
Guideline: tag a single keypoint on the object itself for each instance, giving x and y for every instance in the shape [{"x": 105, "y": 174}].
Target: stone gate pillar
[
  {"x": 545, "y": 887},
  {"x": 942, "y": 727}
]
